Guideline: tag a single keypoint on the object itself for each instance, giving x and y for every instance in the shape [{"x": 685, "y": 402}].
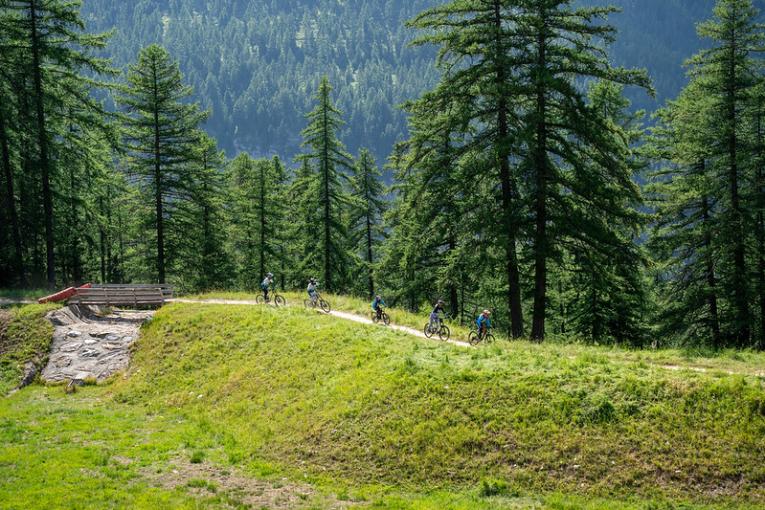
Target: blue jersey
[
  {"x": 377, "y": 302},
  {"x": 482, "y": 320}
]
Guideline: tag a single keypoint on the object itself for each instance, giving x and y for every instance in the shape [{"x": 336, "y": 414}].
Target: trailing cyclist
[
  {"x": 312, "y": 293},
  {"x": 377, "y": 306},
  {"x": 265, "y": 285},
  {"x": 483, "y": 323},
  {"x": 436, "y": 316}
]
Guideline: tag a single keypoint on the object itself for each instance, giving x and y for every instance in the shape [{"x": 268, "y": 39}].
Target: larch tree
[
  {"x": 556, "y": 45},
  {"x": 331, "y": 161},
  {"x": 56, "y": 54},
  {"x": 160, "y": 132},
  {"x": 366, "y": 214},
  {"x": 727, "y": 73},
  {"x": 475, "y": 39}
]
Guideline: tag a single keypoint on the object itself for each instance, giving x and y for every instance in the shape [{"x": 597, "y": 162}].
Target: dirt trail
[{"x": 341, "y": 315}]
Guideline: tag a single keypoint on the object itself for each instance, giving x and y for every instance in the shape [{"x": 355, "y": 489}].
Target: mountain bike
[
  {"x": 318, "y": 302},
  {"x": 383, "y": 317},
  {"x": 475, "y": 337},
  {"x": 437, "y": 327},
  {"x": 273, "y": 297}
]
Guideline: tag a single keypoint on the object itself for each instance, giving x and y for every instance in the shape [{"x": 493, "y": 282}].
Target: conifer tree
[
  {"x": 331, "y": 161},
  {"x": 726, "y": 73},
  {"x": 684, "y": 238},
  {"x": 56, "y": 54},
  {"x": 366, "y": 214},
  {"x": 476, "y": 38},
  {"x": 161, "y": 130},
  {"x": 558, "y": 44}
]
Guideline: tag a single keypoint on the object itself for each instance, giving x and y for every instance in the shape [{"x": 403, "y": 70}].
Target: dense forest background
[
  {"x": 584, "y": 172},
  {"x": 254, "y": 64}
]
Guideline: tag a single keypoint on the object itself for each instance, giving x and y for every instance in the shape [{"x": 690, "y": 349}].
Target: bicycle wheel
[
  {"x": 489, "y": 339},
  {"x": 259, "y": 300},
  {"x": 444, "y": 333},
  {"x": 428, "y": 332},
  {"x": 473, "y": 338},
  {"x": 308, "y": 303},
  {"x": 324, "y": 305},
  {"x": 374, "y": 317},
  {"x": 280, "y": 301},
  {"x": 386, "y": 319}
]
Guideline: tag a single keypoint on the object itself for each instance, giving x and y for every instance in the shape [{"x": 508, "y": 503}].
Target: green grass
[
  {"x": 739, "y": 362},
  {"x": 386, "y": 419},
  {"x": 25, "y": 336}
]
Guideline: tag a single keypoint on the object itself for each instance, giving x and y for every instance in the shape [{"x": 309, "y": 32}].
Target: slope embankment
[{"x": 369, "y": 405}]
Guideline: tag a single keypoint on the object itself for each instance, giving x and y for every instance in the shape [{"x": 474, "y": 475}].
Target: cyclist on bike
[
  {"x": 312, "y": 293},
  {"x": 265, "y": 286},
  {"x": 483, "y": 323},
  {"x": 377, "y": 305},
  {"x": 435, "y": 315}
]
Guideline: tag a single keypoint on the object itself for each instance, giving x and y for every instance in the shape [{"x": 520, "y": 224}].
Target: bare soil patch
[{"x": 205, "y": 479}]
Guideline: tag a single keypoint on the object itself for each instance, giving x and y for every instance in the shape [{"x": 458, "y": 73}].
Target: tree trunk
[
  {"x": 508, "y": 190},
  {"x": 158, "y": 186},
  {"x": 42, "y": 140},
  {"x": 262, "y": 211},
  {"x": 540, "y": 163},
  {"x": 742, "y": 327},
  {"x": 714, "y": 320},
  {"x": 327, "y": 207},
  {"x": 10, "y": 204}
]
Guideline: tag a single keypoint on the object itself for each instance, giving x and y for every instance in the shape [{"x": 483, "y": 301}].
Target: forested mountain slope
[{"x": 255, "y": 64}]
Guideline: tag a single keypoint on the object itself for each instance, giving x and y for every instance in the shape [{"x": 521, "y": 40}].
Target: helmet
[
  {"x": 312, "y": 280},
  {"x": 487, "y": 312},
  {"x": 378, "y": 297},
  {"x": 440, "y": 301},
  {"x": 270, "y": 275}
]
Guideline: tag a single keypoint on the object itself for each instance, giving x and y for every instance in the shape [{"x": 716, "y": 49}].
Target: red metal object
[{"x": 62, "y": 295}]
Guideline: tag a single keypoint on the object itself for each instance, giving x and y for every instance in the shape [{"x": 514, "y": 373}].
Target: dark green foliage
[
  {"x": 710, "y": 196},
  {"x": 160, "y": 131},
  {"x": 366, "y": 214},
  {"x": 329, "y": 161}
]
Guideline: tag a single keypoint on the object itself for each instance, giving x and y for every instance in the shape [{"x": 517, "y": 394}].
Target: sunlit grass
[{"x": 385, "y": 420}]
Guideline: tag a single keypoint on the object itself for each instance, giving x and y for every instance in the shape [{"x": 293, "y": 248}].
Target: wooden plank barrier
[{"x": 123, "y": 295}]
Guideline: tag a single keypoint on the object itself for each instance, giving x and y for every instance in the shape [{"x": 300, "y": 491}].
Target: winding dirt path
[{"x": 340, "y": 315}]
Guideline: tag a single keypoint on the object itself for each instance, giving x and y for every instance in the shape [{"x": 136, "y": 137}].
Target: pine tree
[
  {"x": 160, "y": 132},
  {"x": 331, "y": 159},
  {"x": 726, "y": 73},
  {"x": 559, "y": 44},
  {"x": 366, "y": 214},
  {"x": 478, "y": 87},
  {"x": 56, "y": 55},
  {"x": 684, "y": 239}
]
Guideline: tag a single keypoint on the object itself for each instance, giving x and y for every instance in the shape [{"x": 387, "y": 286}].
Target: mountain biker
[
  {"x": 312, "y": 284},
  {"x": 265, "y": 286},
  {"x": 483, "y": 323},
  {"x": 435, "y": 315},
  {"x": 377, "y": 305}
]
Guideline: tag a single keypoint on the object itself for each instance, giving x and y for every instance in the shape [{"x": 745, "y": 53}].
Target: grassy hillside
[
  {"x": 370, "y": 418},
  {"x": 367, "y": 405},
  {"x": 24, "y": 336}
]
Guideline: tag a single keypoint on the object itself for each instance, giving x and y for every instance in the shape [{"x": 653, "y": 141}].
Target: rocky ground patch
[{"x": 91, "y": 344}]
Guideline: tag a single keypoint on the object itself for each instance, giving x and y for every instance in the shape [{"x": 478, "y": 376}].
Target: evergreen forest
[{"x": 586, "y": 171}]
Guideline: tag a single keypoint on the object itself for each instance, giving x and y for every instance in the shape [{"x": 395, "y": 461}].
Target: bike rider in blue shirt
[
  {"x": 312, "y": 284},
  {"x": 265, "y": 286},
  {"x": 435, "y": 315},
  {"x": 483, "y": 323},
  {"x": 377, "y": 305}
]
